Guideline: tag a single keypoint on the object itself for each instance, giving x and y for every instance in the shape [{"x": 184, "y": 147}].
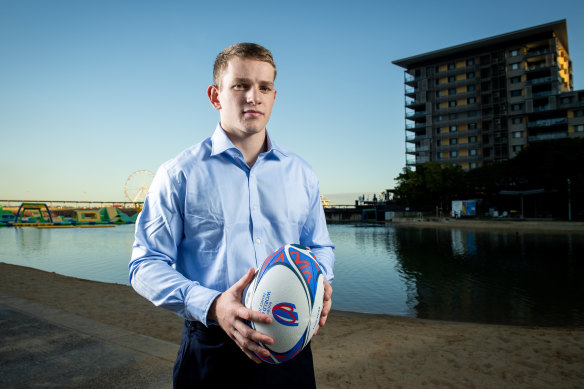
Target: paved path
[{"x": 43, "y": 347}]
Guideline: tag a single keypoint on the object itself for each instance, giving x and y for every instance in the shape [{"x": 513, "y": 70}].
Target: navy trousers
[{"x": 208, "y": 358}]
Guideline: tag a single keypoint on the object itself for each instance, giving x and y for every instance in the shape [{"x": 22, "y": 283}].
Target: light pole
[{"x": 569, "y": 202}]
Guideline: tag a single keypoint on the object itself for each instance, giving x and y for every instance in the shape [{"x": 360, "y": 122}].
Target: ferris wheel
[{"x": 137, "y": 185}]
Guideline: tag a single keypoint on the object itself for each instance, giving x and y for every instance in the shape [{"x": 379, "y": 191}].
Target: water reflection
[{"x": 493, "y": 277}]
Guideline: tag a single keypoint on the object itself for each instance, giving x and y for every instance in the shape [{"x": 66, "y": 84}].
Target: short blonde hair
[{"x": 240, "y": 50}]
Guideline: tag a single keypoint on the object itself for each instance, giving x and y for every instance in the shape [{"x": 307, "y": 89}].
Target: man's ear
[{"x": 213, "y": 95}]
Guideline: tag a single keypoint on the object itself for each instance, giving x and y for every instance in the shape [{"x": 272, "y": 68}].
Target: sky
[{"x": 92, "y": 91}]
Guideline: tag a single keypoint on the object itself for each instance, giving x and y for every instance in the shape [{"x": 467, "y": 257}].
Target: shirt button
[
  {"x": 258, "y": 240},
  {"x": 254, "y": 207}
]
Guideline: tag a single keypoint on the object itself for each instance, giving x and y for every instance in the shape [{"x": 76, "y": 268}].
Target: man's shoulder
[
  {"x": 295, "y": 162},
  {"x": 189, "y": 158}
]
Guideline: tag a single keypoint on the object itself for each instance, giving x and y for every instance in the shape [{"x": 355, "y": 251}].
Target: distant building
[{"x": 484, "y": 101}]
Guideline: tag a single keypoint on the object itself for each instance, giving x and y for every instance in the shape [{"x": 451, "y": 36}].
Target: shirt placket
[{"x": 255, "y": 216}]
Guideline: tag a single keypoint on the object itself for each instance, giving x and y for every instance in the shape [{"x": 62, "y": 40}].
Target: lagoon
[{"x": 522, "y": 278}]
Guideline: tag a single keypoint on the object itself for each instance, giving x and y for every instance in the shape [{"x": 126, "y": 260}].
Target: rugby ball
[{"x": 289, "y": 287}]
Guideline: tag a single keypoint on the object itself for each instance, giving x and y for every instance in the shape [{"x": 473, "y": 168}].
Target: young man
[{"x": 212, "y": 215}]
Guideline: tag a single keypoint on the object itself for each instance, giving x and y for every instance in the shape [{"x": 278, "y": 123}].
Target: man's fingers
[
  {"x": 243, "y": 337},
  {"x": 240, "y": 285},
  {"x": 249, "y": 333},
  {"x": 248, "y": 314},
  {"x": 328, "y": 290},
  {"x": 327, "y": 304}
]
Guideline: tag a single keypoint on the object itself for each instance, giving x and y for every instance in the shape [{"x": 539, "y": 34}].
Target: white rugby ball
[{"x": 289, "y": 287}]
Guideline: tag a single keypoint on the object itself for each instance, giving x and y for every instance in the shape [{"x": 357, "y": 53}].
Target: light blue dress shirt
[{"x": 208, "y": 217}]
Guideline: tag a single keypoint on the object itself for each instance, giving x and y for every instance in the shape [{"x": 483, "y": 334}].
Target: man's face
[{"x": 245, "y": 97}]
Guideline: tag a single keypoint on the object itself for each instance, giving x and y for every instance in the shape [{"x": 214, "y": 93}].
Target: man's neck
[{"x": 250, "y": 145}]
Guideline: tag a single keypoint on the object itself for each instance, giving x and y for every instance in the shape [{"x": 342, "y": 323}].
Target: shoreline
[
  {"x": 503, "y": 225},
  {"x": 353, "y": 349}
]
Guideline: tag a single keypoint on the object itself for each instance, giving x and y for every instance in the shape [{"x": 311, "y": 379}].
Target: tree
[{"x": 430, "y": 185}]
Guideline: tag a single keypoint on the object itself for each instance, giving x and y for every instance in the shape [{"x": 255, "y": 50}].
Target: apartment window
[
  {"x": 516, "y": 93},
  {"x": 515, "y": 80},
  {"x": 438, "y": 93},
  {"x": 473, "y": 152},
  {"x": 517, "y": 148},
  {"x": 516, "y": 107},
  {"x": 516, "y": 120},
  {"x": 472, "y": 126},
  {"x": 440, "y": 118},
  {"x": 454, "y": 154},
  {"x": 579, "y": 113},
  {"x": 579, "y": 128},
  {"x": 454, "y": 141},
  {"x": 452, "y": 103},
  {"x": 518, "y": 134},
  {"x": 437, "y": 106},
  {"x": 453, "y": 128},
  {"x": 452, "y": 116},
  {"x": 472, "y": 139},
  {"x": 473, "y": 165},
  {"x": 451, "y": 78},
  {"x": 472, "y": 113},
  {"x": 471, "y": 100},
  {"x": 451, "y": 66},
  {"x": 566, "y": 100},
  {"x": 514, "y": 53},
  {"x": 452, "y": 91},
  {"x": 437, "y": 69},
  {"x": 438, "y": 143},
  {"x": 470, "y": 62},
  {"x": 515, "y": 66},
  {"x": 471, "y": 88},
  {"x": 470, "y": 75}
]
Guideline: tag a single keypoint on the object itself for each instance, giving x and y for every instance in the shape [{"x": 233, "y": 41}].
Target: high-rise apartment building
[{"x": 484, "y": 101}]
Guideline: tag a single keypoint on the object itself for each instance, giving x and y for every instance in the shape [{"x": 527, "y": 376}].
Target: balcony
[
  {"x": 547, "y": 122},
  {"x": 542, "y": 94},
  {"x": 411, "y": 126},
  {"x": 411, "y": 80},
  {"x": 537, "y": 53},
  {"x": 547, "y": 136},
  {"x": 540, "y": 80},
  {"x": 416, "y": 114}
]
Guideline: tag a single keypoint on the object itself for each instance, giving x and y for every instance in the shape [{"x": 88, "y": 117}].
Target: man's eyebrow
[{"x": 249, "y": 81}]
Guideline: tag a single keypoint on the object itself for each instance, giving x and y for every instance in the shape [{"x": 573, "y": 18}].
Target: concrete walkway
[{"x": 43, "y": 347}]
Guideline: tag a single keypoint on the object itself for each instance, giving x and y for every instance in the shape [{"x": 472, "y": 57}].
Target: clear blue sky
[{"x": 91, "y": 91}]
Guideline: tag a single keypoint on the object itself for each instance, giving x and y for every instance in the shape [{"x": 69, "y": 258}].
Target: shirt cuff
[{"x": 198, "y": 301}]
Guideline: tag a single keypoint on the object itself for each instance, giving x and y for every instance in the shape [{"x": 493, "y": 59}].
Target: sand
[{"x": 353, "y": 350}]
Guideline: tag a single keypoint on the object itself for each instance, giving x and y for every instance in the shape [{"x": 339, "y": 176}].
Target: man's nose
[{"x": 253, "y": 95}]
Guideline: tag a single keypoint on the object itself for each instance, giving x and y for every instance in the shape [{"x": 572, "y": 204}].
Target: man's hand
[
  {"x": 327, "y": 303},
  {"x": 231, "y": 315}
]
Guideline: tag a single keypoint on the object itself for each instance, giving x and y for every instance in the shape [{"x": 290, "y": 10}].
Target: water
[{"x": 490, "y": 277}]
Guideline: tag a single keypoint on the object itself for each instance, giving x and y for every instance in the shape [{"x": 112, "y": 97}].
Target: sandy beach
[{"x": 352, "y": 350}]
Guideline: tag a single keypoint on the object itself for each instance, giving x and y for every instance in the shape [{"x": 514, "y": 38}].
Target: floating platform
[{"x": 42, "y": 218}]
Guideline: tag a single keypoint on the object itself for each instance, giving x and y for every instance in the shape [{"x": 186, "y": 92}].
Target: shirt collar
[{"x": 221, "y": 143}]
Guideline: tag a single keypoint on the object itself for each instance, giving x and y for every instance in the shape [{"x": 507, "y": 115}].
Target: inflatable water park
[{"x": 40, "y": 216}]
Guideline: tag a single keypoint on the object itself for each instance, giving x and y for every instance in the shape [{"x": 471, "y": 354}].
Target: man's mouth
[{"x": 252, "y": 113}]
